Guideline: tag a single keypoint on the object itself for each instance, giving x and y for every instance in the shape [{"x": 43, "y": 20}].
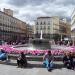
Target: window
[
  {"x": 44, "y": 23},
  {"x": 48, "y": 22},
  {"x": 36, "y": 32},
  {"x": 36, "y": 23},
  {"x": 41, "y": 27},
  {"x": 37, "y": 28},
  {"x": 41, "y": 23},
  {"x": 62, "y": 29},
  {"x": 0, "y": 16},
  {"x": 48, "y": 27},
  {"x": 44, "y": 27}
]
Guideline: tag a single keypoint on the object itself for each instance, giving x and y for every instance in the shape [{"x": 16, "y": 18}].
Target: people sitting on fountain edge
[
  {"x": 3, "y": 55},
  {"x": 48, "y": 61},
  {"x": 68, "y": 60},
  {"x": 21, "y": 60}
]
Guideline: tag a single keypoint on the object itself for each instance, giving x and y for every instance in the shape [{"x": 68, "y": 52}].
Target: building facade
[
  {"x": 65, "y": 29},
  {"x": 73, "y": 26},
  {"x": 30, "y": 31},
  {"x": 51, "y": 27},
  {"x": 11, "y": 28}
]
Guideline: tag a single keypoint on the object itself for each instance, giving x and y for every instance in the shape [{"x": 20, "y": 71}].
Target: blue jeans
[
  {"x": 48, "y": 65},
  {"x": 3, "y": 56}
]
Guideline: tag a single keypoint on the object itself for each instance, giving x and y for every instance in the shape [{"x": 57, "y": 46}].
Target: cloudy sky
[{"x": 29, "y": 10}]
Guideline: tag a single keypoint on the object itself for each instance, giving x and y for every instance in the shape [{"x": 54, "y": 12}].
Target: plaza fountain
[{"x": 36, "y": 44}]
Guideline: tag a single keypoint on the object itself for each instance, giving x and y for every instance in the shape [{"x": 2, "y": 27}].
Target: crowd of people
[
  {"x": 63, "y": 42},
  {"x": 68, "y": 43}
]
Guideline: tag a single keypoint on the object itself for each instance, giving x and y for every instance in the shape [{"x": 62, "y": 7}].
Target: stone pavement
[{"x": 33, "y": 70}]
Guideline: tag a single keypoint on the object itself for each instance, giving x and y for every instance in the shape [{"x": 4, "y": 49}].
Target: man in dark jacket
[
  {"x": 22, "y": 61},
  {"x": 68, "y": 60}
]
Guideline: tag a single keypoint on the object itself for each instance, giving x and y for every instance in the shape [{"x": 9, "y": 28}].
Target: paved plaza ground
[{"x": 34, "y": 69}]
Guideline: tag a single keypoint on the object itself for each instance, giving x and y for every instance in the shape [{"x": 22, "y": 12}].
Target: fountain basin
[{"x": 35, "y": 44}]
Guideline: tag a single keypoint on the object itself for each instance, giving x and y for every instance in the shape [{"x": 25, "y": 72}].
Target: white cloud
[{"x": 30, "y": 11}]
